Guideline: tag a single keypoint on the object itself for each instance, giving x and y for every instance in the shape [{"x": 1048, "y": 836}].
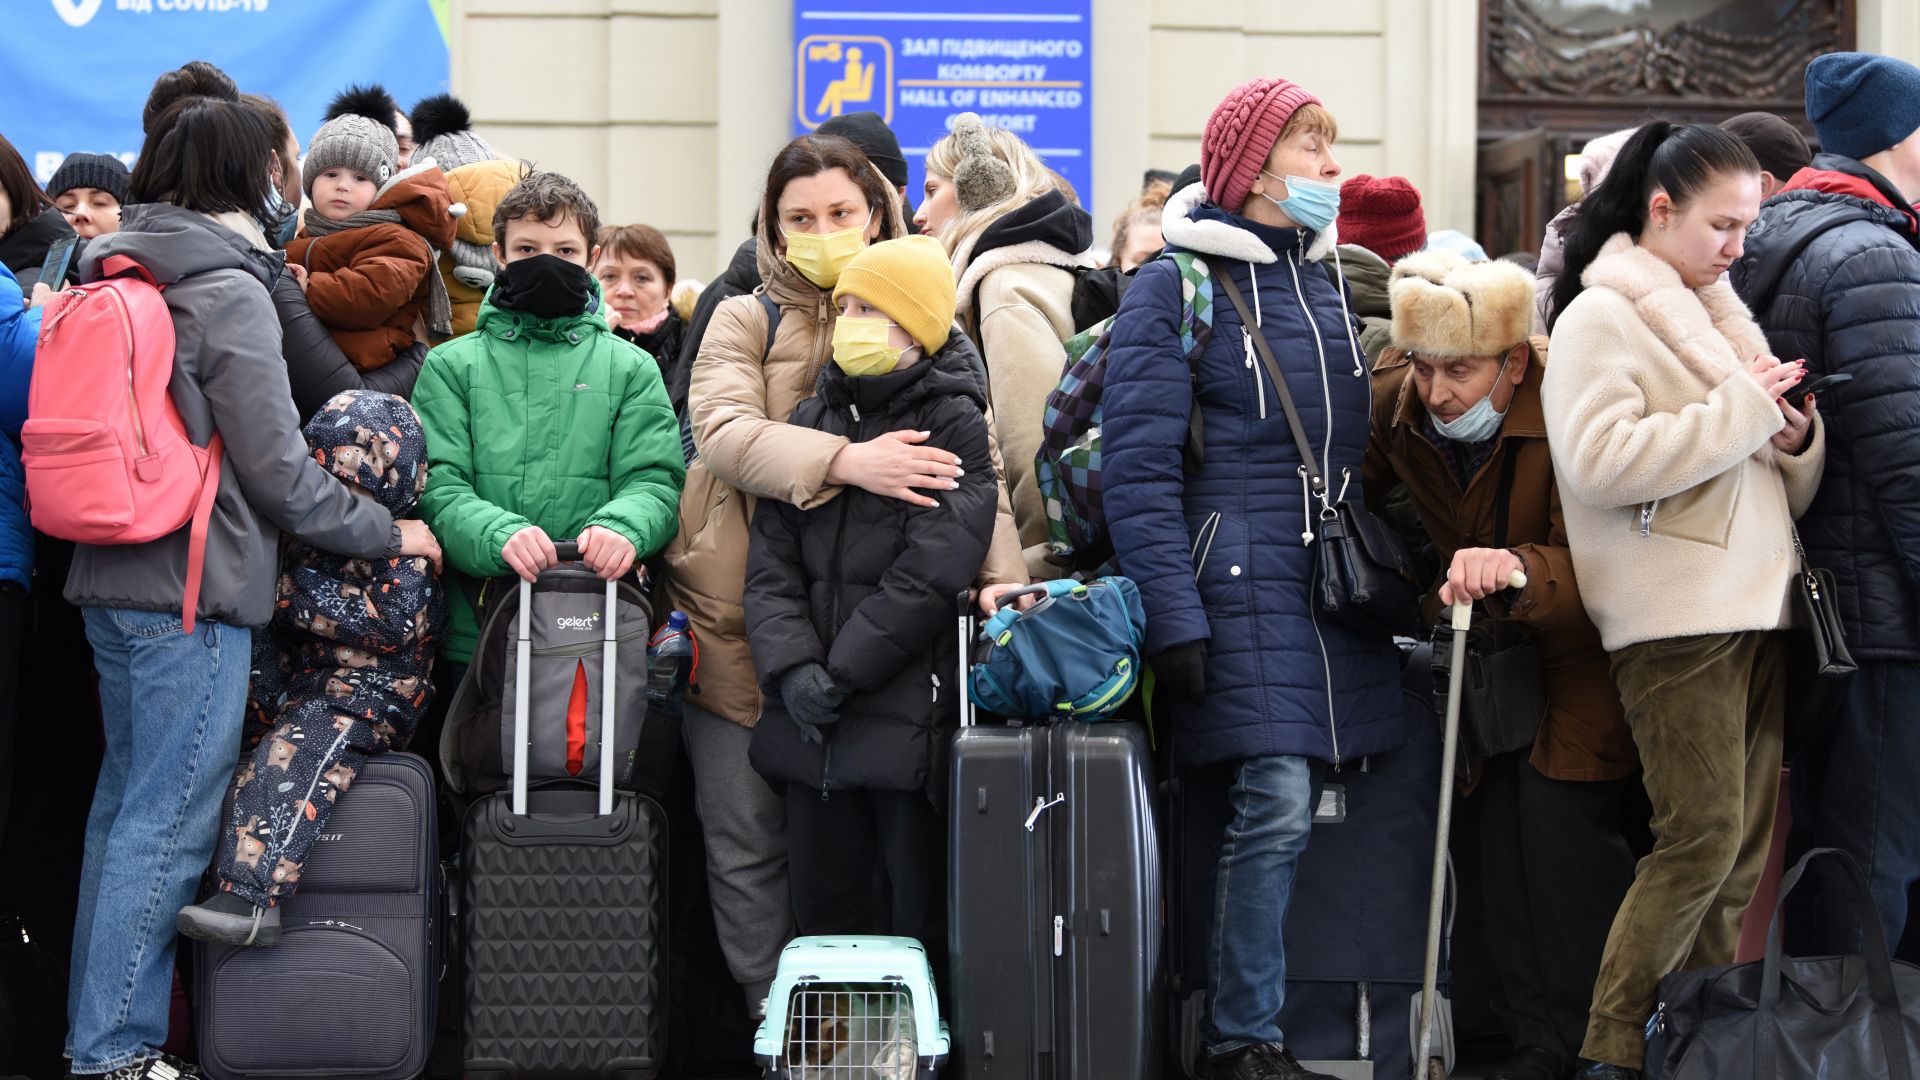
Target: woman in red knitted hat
[{"x": 1258, "y": 687}]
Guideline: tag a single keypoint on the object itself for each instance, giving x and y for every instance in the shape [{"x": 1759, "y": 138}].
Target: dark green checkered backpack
[{"x": 1067, "y": 468}]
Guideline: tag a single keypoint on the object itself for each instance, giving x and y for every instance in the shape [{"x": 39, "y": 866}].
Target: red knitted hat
[
  {"x": 1382, "y": 215},
  {"x": 1241, "y": 133}
]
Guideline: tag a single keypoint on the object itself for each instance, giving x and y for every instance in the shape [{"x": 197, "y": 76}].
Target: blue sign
[
  {"x": 75, "y": 73},
  {"x": 1024, "y": 65}
]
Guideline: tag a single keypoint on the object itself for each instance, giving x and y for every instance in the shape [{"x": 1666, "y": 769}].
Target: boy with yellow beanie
[{"x": 849, "y": 609}]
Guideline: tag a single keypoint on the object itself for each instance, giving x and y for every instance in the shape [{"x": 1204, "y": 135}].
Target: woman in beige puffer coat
[{"x": 740, "y": 397}]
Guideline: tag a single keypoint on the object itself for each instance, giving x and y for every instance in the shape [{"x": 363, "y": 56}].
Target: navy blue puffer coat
[
  {"x": 1220, "y": 555},
  {"x": 1832, "y": 274}
]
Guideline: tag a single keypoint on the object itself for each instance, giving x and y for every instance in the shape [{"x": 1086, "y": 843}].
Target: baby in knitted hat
[
  {"x": 365, "y": 250},
  {"x": 849, "y": 603}
]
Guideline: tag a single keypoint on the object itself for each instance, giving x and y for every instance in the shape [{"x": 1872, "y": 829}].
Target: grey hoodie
[{"x": 227, "y": 375}]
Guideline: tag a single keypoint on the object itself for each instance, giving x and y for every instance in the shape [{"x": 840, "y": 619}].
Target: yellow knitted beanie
[{"x": 911, "y": 281}]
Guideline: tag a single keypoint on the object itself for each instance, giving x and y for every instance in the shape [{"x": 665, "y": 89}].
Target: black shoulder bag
[
  {"x": 1503, "y": 698},
  {"x": 1363, "y": 578},
  {"x": 1815, "y": 601}
]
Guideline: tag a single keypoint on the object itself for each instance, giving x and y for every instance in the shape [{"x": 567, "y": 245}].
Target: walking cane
[{"x": 1456, "y": 668}]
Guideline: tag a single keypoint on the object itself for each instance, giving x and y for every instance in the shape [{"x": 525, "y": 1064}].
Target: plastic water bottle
[{"x": 669, "y": 663}]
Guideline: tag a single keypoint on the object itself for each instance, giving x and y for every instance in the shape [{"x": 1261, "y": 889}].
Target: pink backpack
[{"x": 107, "y": 456}]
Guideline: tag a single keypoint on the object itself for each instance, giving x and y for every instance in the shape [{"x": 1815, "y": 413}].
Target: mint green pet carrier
[{"x": 852, "y": 1008}]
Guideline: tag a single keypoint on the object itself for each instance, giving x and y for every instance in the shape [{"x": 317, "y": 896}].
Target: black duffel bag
[{"x": 1792, "y": 1018}]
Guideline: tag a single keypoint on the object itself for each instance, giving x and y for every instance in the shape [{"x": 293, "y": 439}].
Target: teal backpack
[{"x": 1068, "y": 465}]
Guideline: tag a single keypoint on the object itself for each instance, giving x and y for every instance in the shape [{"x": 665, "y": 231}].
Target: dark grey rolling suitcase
[
  {"x": 364, "y": 932},
  {"x": 563, "y": 910},
  {"x": 1056, "y": 916}
]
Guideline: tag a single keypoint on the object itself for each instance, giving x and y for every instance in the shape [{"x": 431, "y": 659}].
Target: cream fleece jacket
[{"x": 1679, "y": 510}]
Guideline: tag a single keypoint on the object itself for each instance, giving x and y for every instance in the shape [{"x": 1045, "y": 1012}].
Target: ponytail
[{"x": 1661, "y": 156}]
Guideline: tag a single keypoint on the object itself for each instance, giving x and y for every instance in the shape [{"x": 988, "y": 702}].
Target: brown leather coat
[
  {"x": 1585, "y": 736},
  {"x": 369, "y": 285}
]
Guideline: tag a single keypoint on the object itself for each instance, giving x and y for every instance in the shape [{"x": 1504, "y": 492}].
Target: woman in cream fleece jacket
[{"x": 1683, "y": 459}]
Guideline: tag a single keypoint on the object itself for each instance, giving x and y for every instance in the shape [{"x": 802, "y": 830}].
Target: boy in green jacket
[{"x": 541, "y": 423}]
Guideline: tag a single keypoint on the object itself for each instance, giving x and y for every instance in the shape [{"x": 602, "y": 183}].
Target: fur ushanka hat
[{"x": 1444, "y": 305}]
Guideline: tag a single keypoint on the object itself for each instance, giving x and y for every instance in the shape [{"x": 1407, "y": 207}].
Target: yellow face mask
[
  {"x": 821, "y": 256},
  {"x": 860, "y": 345}
]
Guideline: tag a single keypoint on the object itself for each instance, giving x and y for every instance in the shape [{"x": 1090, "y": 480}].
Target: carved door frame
[{"x": 1687, "y": 74}]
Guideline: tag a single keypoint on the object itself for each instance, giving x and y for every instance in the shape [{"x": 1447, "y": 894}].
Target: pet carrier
[{"x": 852, "y": 1008}]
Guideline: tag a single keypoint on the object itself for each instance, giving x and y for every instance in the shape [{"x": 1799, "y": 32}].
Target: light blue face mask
[
  {"x": 1479, "y": 423},
  {"x": 1310, "y": 203}
]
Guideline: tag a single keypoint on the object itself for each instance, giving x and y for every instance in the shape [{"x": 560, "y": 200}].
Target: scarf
[
  {"x": 650, "y": 324},
  {"x": 439, "y": 305}
]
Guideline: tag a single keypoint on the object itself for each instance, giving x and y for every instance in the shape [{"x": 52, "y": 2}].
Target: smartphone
[
  {"x": 53, "y": 273},
  {"x": 1822, "y": 384}
]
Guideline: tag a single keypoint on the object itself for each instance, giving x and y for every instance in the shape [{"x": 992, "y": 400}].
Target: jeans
[
  {"x": 1855, "y": 789},
  {"x": 1708, "y": 714},
  {"x": 172, "y": 708},
  {"x": 1272, "y": 813}
]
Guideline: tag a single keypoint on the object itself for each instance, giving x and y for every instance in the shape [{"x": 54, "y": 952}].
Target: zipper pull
[
  {"x": 855, "y": 410},
  {"x": 1059, "y": 935},
  {"x": 1246, "y": 346},
  {"x": 1646, "y": 519},
  {"x": 936, "y": 688}
]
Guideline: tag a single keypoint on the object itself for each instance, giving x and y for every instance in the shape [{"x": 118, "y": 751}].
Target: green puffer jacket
[{"x": 555, "y": 423}]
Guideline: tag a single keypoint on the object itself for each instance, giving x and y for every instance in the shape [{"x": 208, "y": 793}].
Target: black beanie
[
  {"x": 875, "y": 139},
  {"x": 102, "y": 171}
]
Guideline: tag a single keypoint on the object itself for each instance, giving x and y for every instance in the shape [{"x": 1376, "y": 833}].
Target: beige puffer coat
[{"x": 740, "y": 397}]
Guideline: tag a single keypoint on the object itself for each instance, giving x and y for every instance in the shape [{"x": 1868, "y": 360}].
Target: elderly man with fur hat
[{"x": 1457, "y": 419}]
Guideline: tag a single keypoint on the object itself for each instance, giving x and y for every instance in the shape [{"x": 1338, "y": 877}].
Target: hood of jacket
[
  {"x": 1051, "y": 230},
  {"x": 1832, "y": 192},
  {"x": 1193, "y": 223},
  {"x": 372, "y": 441},
  {"x": 25, "y": 248},
  {"x": 1367, "y": 276},
  {"x": 954, "y": 371},
  {"x": 174, "y": 243},
  {"x": 419, "y": 193},
  {"x": 787, "y": 286}
]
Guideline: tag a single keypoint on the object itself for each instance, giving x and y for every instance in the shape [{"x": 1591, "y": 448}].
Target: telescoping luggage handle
[
  {"x": 569, "y": 551},
  {"x": 1436, "y": 897}
]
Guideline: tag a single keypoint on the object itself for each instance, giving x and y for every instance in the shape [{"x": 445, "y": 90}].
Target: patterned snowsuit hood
[{"x": 374, "y": 442}]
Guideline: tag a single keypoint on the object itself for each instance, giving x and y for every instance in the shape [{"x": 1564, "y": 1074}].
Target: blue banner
[
  {"x": 1024, "y": 65},
  {"x": 75, "y": 73}
]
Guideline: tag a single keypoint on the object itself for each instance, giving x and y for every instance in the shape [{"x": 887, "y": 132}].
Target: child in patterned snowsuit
[{"x": 341, "y": 673}]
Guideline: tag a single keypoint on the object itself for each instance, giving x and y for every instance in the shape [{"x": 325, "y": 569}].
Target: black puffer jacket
[
  {"x": 664, "y": 346},
  {"x": 1832, "y": 274},
  {"x": 865, "y": 585},
  {"x": 317, "y": 369}
]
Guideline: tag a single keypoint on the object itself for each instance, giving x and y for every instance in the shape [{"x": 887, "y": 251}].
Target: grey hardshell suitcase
[
  {"x": 563, "y": 906},
  {"x": 1056, "y": 918},
  {"x": 365, "y": 928}
]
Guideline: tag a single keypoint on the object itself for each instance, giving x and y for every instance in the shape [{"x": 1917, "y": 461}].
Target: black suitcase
[
  {"x": 1357, "y": 920},
  {"x": 563, "y": 913},
  {"x": 363, "y": 933},
  {"x": 1055, "y": 921}
]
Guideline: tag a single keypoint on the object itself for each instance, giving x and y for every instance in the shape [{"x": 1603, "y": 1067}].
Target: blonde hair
[
  {"x": 1143, "y": 210},
  {"x": 986, "y": 193}
]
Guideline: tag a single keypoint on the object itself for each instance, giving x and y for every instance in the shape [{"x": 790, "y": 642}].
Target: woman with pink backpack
[{"x": 173, "y": 671}]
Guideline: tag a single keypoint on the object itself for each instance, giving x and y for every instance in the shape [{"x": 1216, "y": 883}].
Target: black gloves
[
  {"x": 811, "y": 699},
  {"x": 1183, "y": 671}
]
